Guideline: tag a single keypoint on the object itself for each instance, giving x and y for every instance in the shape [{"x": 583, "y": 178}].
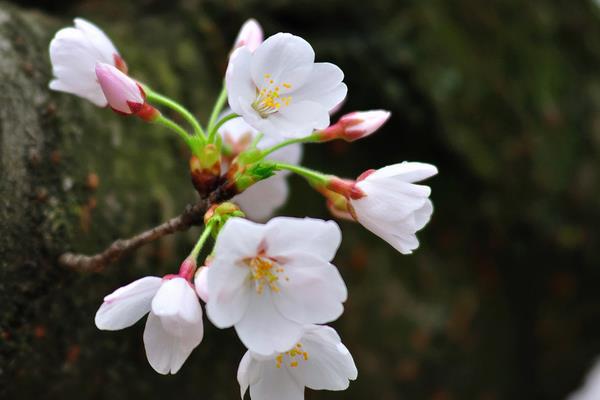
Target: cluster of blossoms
[{"x": 273, "y": 282}]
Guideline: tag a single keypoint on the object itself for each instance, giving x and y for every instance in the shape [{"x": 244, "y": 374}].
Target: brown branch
[{"x": 193, "y": 215}]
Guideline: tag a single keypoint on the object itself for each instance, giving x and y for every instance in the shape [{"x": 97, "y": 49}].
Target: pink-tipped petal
[
  {"x": 251, "y": 35},
  {"x": 123, "y": 93}
]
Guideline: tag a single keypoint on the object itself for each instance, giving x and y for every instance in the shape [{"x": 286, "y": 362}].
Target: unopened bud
[
  {"x": 124, "y": 95},
  {"x": 206, "y": 169},
  {"x": 187, "y": 268},
  {"x": 355, "y": 125},
  {"x": 251, "y": 35}
]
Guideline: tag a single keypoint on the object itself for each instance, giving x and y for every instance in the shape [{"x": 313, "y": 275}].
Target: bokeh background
[{"x": 502, "y": 299}]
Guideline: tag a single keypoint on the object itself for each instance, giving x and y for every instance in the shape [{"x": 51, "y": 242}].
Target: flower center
[
  {"x": 269, "y": 98},
  {"x": 293, "y": 356},
  {"x": 265, "y": 272}
]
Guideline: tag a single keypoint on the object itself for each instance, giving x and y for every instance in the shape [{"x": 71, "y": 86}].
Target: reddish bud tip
[
  {"x": 120, "y": 63},
  {"x": 187, "y": 269}
]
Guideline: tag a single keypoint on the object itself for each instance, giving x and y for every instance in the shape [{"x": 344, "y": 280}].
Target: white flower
[
  {"x": 392, "y": 206},
  {"x": 280, "y": 90},
  {"x": 260, "y": 200},
  {"x": 250, "y": 35},
  {"x": 591, "y": 388},
  {"x": 270, "y": 280},
  {"x": 174, "y": 325},
  {"x": 319, "y": 361},
  {"x": 74, "y": 53},
  {"x": 123, "y": 94}
]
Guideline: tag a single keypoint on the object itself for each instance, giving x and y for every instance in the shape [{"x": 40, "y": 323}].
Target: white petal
[
  {"x": 406, "y": 171},
  {"x": 236, "y": 129},
  {"x": 300, "y": 118},
  {"x": 201, "y": 283},
  {"x": 285, "y": 235},
  {"x": 177, "y": 306},
  {"x": 263, "y": 329},
  {"x": 166, "y": 353},
  {"x": 229, "y": 292},
  {"x": 285, "y": 58},
  {"x": 311, "y": 292},
  {"x": 98, "y": 39},
  {"x": 329, "y": 366},
  {"x": 276, "y": 384},
  {"x": 591, "y": 388},
  {"x": 239, "y": 239},
  {"x": 248, "y": 372},
  {"x": 389, "y": 200},
  {"x": 250, "y": 35},
  {"x": 126, "y": 305},
  {"x": 261, "y": 200},
  {"x": 324, "y": 85},
  {"x": 240, "y": 86}
]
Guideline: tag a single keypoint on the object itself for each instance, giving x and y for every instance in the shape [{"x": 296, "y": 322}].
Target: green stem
[
  {"x": 257, "y": 139},
  {"x": 213, "y": 131},
  {"x": 313, "y": 177},
  {"x": 166, "y": 122},
  {"x": 160, "y": 99},
  {"x": 201, "y": 240},
  {"x": 217, "y": 109},
  {"x": 306, "y": 139}
]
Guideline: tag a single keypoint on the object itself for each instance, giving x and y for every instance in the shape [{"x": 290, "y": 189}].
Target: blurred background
[{"x": 501, "y": 301}]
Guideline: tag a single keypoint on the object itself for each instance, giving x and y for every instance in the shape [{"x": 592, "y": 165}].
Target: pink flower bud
[
  {"x": 124, "y": 95},
  {"x": 187, "y": 269},
  {"x": 251, "y": 35},
  {"x": 356, "y": 125}
]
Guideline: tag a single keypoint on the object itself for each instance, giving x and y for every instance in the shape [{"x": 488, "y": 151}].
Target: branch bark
[{"x": 192, "y": 215}]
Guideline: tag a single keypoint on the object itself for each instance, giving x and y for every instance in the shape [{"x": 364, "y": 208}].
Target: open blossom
[
  {"x": 356, "y": 125},
  {"x": 260, "y": 200},
  {"x": 270, "y": 280},
  {"x": 389, "y": 203},
  {"x": 318, "y": 361},
  {"x": 174, "y": 325},
  {"x": 279, "y": 89},
  {"x": 251, "y": 35},
  {"x": 591, "y": 388},
  {"x": 74, "y": 53}
]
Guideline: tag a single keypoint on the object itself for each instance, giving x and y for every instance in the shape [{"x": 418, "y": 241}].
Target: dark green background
[{"x": 501, "y": 301}]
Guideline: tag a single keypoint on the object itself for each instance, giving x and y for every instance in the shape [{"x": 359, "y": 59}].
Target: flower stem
[
  {"x": 212, "y": 133},
  {"x": 201, "y": 240},
  {"x": 313, "y": 177},
  {"x": 306, "y": 139},
  {"x": 217, "y": 109},
  {"x": 160, "y": 99},
  {"x": 257, "y": 139},
  {"x": 166, "y": 122}
]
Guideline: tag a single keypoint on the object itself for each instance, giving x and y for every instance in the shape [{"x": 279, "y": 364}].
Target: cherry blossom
[
  {"x": 174, "y": 326},
  {"x": 318, "y": 361},
  {"x": 389, "y": 203},
  {"x": 74, "y": 52},
  {"x": 279, "y": 90},
  {"x": 270, "y": 280}
]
